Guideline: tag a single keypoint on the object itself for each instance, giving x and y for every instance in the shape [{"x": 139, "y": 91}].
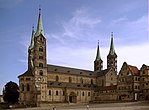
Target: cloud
[
  {"x": 81, "y": 18},
  {"x": 81, "y": 57},
  {"x": 118, "y": 20},
  {"x": 24, "y": 44},
  {"x": 80, "y": 27}
]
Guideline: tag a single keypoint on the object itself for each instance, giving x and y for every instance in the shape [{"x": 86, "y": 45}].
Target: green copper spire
[
  {"x": 39, "y": 26},
  {"x": 32, "y": 39},
  {"x": 98, "y": 57},
  {"x": 112, "y": 51}
]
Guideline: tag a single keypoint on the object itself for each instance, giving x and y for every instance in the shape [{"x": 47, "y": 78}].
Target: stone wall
[
  {"x": 63, "y": 95},
  {"x": 62, "y": 77}
]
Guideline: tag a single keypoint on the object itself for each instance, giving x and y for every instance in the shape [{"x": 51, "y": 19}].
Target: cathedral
[{"x": 46, "y": 83}]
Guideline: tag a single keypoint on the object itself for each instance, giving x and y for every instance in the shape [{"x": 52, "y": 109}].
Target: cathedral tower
[
  {"x": 98, "y": 63},
  {"x": 112, "y": 57},
  {"x": 38, "y": 62}
]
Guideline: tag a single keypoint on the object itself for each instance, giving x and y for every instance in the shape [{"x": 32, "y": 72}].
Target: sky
[{"x": 72, "y": 29}]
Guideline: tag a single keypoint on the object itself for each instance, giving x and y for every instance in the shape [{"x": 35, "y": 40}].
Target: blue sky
[{"x": 72, "y": 29}]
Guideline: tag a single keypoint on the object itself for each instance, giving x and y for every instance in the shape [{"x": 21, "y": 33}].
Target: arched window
[
  {"x": 63, "y": 92},
  {"x": 28, "y": 87},
  {"x": 49, "y": 92},
  {"x": 56, "y": 92},
  {"x": 41, "y": 39},
  {"x": 70, "y": 80},
  {"x": 57, "y": 78},
  {"x": 41, "y": 73},
  {"x": 91, "y": 81},
  {"x": 41, "y": 65},
  {"x": 82, "y": 93},
  {"x": 22, "y": 87}
]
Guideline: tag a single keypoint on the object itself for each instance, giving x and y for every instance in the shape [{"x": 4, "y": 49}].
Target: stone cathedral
[{"x": 46, "y": 83}]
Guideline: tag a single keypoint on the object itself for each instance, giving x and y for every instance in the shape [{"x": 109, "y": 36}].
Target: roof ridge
[{"x": 70, "y": 67}]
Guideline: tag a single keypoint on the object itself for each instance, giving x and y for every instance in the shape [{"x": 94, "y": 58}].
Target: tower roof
[
  {"x": 39, "y": 25},
  {"x": 98, "y": 57},
  {"x": 112, "y": 50},
  {"x": 32, "y": 39}
]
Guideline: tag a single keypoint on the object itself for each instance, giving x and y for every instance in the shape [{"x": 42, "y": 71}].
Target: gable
[
  {"x": 128, "y": 70},
  {"x": 103, "y": 72},
  {"x": 110, "y": 73}
]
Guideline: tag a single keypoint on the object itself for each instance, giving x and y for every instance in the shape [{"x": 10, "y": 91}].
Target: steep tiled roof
[
  {"x": 68, "y": 70},
  {"x": 98, "y": 57},
  {"x": 39, "y": 30},
  {"x": 112, "y": 50},
  {"x": 27, "y": 73},
  {"x": 32, "y": 40},
  {"x": 134, "y": 69},
  {"x": 103, "y": 72}
]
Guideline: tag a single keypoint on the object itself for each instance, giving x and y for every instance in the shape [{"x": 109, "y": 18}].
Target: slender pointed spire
[
  {"x": 39, "y": 26},
  {"x": 98, "y": 57},
  {"x": 112, "y": 50},
  {"x": 32, "y": 39},
  {"x": 98, "y": 63}
]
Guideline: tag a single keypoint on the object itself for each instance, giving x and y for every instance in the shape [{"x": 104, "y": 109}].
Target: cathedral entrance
[{"x": 72, "y": 97}]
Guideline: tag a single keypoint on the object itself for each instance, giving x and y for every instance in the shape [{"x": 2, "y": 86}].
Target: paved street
[{"x": 110, "y": 106}]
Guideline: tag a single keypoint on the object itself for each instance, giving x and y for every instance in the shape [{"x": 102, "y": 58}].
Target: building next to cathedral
[{"x": 46, "y": 83}]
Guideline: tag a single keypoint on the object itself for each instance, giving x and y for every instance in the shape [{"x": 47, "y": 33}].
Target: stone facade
[{"x": 107, "y": 77}]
